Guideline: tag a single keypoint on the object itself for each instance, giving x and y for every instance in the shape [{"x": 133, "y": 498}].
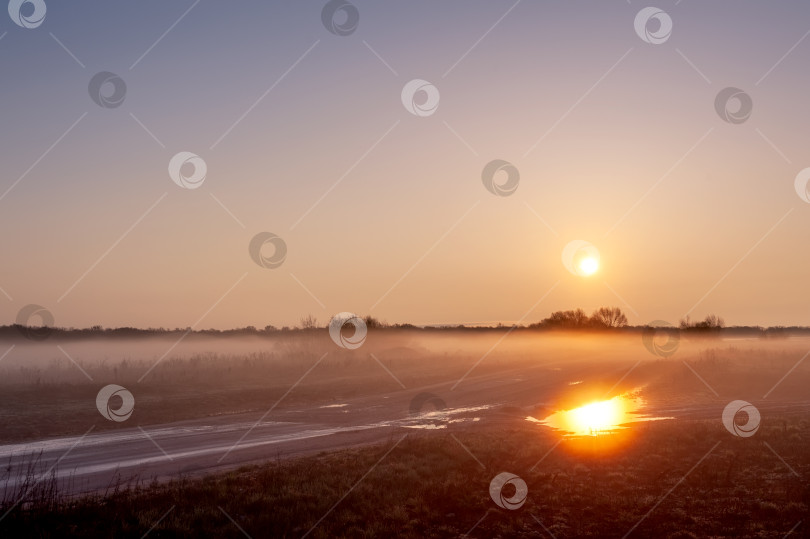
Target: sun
[{"x": 589, "y": 265}]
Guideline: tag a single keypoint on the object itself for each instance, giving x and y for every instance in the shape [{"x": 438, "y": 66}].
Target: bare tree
[
  {"x": 309, "y": 322},
  {"x": 566, "y": 319},
  {"x": 373, "y": 323},
  {"x": 712, "y": 322},
  {"x": 609, "y": 317}
]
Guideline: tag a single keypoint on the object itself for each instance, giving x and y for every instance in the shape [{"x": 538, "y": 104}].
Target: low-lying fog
[{"x": 58, "y": 359}]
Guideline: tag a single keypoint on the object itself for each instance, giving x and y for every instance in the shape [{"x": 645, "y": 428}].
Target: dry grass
[{"x": 429, "y": 486}]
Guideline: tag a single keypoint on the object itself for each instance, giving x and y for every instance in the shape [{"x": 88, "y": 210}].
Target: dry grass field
[{"x": 683, "y": 477}]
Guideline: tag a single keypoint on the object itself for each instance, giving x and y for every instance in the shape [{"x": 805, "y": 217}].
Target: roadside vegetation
[{"x": 662, "y": 479}]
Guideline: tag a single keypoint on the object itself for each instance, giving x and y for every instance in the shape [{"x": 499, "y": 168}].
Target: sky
[{"x": 305, "y": 137}]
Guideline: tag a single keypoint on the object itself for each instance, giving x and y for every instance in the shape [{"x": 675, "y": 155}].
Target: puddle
[
  {"x": 600, "y": 417},
  {"x": 439, "y": 419}
]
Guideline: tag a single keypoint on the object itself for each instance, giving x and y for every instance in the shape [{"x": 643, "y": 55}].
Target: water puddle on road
[
  {"x": 600, "y": 417},
  {"x": 440, "y": 419},
  {"x": 432, "y": 426}
]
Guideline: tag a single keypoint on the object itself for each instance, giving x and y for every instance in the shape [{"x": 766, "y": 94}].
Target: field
[
  {"x": 427, "y": 485},
  {"x": 384, "y": 469}
]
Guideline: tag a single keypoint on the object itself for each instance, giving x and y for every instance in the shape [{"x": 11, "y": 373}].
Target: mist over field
[
  {"x": 49, "y": 385},
  {"x": 214, "y": 404}
]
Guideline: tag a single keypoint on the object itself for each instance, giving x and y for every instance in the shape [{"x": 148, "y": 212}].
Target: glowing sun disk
[{"x": 589, "y": 265}]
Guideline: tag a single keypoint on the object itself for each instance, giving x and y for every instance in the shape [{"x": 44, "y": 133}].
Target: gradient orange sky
[{"x": 304, "y": 134}]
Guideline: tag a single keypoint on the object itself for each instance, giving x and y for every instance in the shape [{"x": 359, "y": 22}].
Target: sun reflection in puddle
[{"x": 599, "y": 417}]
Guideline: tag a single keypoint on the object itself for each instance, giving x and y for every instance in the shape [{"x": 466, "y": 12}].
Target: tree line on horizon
[{"x": 603, "y": 318}]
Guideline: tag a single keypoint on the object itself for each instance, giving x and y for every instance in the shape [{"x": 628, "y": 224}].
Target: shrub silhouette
[
  {"x": 712, "y": 322},
  {"x": 604, "y": 317}
]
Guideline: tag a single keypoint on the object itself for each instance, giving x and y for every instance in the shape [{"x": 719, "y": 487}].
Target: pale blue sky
[{"x": 410, "y": 233}]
